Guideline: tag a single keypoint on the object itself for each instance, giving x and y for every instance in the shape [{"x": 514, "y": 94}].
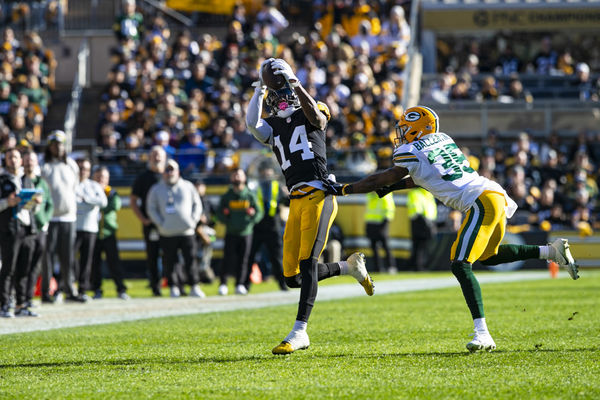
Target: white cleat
[
  {"x": 481, "y": 341},
  {"x": 223, "y": 290},
  {"x": 564, "y": 258},
  {"x": 197, "y": 292},
  {"x": 175, "y": 292},
  {"x": 241, "y": 289},
  {"x": 296, "y": 340},
  {"x": 357, "y": 268}
]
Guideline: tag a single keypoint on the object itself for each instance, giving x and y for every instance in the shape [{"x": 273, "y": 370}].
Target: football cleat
[
  {"x": 481, "y": 341},
  {"x": 295, "y": 340},
  {"x": 357, "y": 268},
  {"x": 197, "y": 292},
  {"x": 564, "y": 258},
  {"x": 241, "y": 289},
  {"x": 223, "y": 290}
]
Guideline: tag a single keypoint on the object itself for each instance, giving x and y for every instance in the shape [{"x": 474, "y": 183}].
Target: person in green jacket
[
  {"x": 239, "y": 210},
  {"x": 42, "y": 215},
  {"x": 106, "y": 241}
]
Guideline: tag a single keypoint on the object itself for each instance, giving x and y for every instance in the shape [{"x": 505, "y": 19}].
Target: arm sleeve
[
  {"x": 96, "y": 196},
  {"x": 256, "y": 125}
]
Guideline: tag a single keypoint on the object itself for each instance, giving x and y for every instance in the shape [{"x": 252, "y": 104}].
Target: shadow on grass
[{"x": 269, "y": 357}]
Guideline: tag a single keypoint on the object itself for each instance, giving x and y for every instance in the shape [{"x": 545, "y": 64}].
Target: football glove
[
  {"x": 381, "y": 192},
  {"x": 283, "y": 68},
  {"x": 335, "y": 189}
]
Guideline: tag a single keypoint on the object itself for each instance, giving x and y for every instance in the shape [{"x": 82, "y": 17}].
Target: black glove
[
  {"x": 334, "y": 188},
  {"x": 390, "y": 188}
]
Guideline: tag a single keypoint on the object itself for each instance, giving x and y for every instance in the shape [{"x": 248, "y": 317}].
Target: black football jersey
[{"x": 299, "y": 147}]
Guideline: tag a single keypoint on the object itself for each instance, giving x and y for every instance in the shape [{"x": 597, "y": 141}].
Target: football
[{"x": 274, "y": 82}]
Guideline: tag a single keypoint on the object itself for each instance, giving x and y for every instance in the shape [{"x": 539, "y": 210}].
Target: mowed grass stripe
[{"x": 404, "y": 345}]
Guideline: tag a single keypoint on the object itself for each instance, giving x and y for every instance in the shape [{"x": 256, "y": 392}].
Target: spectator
[
  {"x": 106, "y": 242},
  {"x": 17, "y": 230},
  {"x": 267, "y": 232},
  {"x": 205, "y": 235},
  {"x": 378, "y": 215},
  {"x": 422, "y": 211},
  {"x": 545, "y": 60},
  {"x": 62, "y": 175},
  {"x": 270, "y": 16},
  {"x": 130, "y": 24},
  {"x": 42, "y": 216},
  {"x": 239, "y": 210},
  {"x": 137, "y": 200},
  {"x": 584, "y": 83},
  {"x": 90, "y": 200},
  {"x": 174, "y": 206},
  {"x": 508, "y": 62},
  {"x": 191, "y": 154},
  {"x": 516, "y": 92}
]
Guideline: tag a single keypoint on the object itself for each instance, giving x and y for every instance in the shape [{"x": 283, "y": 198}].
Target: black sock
[
  {"x": 328, "y": 270},
  {"x": 513, "y": 252}
]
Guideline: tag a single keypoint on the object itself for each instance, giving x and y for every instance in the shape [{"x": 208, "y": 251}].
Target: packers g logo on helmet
[{"x": 415, "y": 123}]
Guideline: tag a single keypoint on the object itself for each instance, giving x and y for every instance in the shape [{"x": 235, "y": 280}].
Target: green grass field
[{"x": 408, "y": 345}]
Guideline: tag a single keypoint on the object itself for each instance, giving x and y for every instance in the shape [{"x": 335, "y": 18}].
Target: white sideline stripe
[{"x": 114, "y": 310}]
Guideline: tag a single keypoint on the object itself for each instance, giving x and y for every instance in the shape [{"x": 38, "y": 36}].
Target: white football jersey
[{"x": 438, "y": 165}]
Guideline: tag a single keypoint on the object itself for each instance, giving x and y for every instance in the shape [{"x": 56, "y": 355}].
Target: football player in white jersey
[{"x": 428, "y": 158}]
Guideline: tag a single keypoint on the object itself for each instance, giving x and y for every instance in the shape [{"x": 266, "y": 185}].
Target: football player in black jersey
[{"x": 295, "y": 131}]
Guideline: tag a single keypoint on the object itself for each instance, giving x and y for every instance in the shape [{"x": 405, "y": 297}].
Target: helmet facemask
[{"x": 282, "y": 102}]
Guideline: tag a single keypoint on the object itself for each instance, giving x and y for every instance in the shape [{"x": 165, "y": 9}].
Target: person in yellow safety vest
[
  {"x": 379, "y": 213},
  {"x": 422, "y": 212},
  {"x": 268, "y": 231}
]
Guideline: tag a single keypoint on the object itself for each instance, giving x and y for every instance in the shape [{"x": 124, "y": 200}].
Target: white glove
[
  {"x": 267, "y": 61},
  {"x": 283, "y": 68},
  {"x": 259, "y": 85}
]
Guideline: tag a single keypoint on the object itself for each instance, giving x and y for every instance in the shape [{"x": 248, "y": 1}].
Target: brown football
[{"x": 274, "y": 82}]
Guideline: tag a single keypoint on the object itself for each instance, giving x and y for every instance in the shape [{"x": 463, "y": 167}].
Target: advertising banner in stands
[
  {"x": 220, "y": 7},
  {"x": 523, "y": 20}
]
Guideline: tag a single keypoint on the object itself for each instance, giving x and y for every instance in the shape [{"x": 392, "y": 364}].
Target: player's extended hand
[
  {"x": 381, "y": 192},
  {"x": 335, "y": 189},
  {"x": 281, "y": 67}
]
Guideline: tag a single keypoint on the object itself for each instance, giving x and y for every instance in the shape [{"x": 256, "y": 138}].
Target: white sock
[
  {"x": 546, "y": 252},
  {"x": 343, "y": 267},
  {"x": 299, "y": 326},
  {"x": 480, "y": 325}
]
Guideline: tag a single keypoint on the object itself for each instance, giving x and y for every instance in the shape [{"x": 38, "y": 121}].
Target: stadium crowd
[
  {"x": 189, "y": 94},
  {"x": 26, "y": 83}
]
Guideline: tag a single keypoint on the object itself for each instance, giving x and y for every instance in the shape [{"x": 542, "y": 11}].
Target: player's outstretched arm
[
  {"x": 259, "y": 129},
  {"x": 379, "y": 180}
]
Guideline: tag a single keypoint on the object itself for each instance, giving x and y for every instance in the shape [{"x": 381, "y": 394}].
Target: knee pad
[
  {"x": 460, "y": 268},
  {"x": 293, "y": 282}
]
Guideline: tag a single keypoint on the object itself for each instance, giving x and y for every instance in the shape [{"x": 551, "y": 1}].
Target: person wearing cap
[
  {"x": 137, "y": 200},
  {"x": 62, "y": 175},
  {"x": 174, "y": 206}
]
